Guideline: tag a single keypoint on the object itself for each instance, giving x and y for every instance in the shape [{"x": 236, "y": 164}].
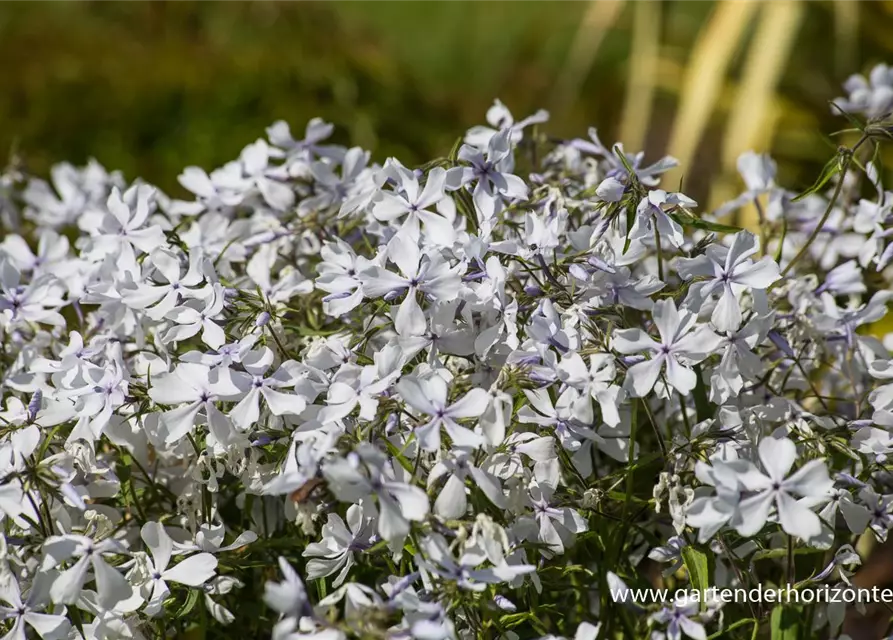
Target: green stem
[
  {"x": 761, "y": 216},
  {"x": 660, "y": 265},
  {"x": 631, "y": 458},
  {"x": 792, "y": 570},
  {"x": 660, "y": 438},
  {"x": 684, "y": 410},
  {"x": 848, "y": 159}
]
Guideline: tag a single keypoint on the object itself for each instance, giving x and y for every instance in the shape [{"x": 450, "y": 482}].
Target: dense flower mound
[{"x": 483, "y": 398}]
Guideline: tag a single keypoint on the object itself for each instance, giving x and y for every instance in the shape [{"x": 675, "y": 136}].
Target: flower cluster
[{"x": 470, "y": 399}]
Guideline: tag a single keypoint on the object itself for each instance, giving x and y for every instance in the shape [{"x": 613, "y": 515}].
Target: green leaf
[
  {"x": 465, "y": 204},
  {"x": 624, "y": 161},
  {"x": 858, "y": 124},
  {"x": 514, "y": 619},
  {"x": 784, "y": 234},
  {"x": 625, "y": 496},
  {"x": 736, "y": 625},
  {"x": 394, "y": 451},
  {"x": 845, "y": 450},
  {"x": 75, "y": 614},
  {"x": 189, "y": 605},
  {"x": 785, "y": 623},
  {"x": 122, "y": 470},
  {"x": 766, "y": 554},
  {"x": 688, "y": 219},
  {"x": 704, "y": 409},
  {"x": 378, "y": 546},
  {"x": 832, "y": 168},
  {"x": 630, "y": 219},
  {"x": 697, "y": 564},
  {"x": 454, "y": 152}
]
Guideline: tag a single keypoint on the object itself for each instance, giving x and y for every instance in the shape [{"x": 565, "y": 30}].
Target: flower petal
[{"x": 193, "y": 571}]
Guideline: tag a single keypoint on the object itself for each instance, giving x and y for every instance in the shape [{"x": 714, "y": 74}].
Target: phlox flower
[
  {"x": 429, "y": 396},
  {"x": 682, "y": 342},
  {"x": 192, "y": 572}
]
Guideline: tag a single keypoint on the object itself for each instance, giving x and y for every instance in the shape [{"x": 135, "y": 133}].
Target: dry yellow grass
[
  {"x": 752, "y": 121},
  {"x": 705, "y": 76},
  {"x": 642, "y": 77},
  {"x": 598, "y": 20}
]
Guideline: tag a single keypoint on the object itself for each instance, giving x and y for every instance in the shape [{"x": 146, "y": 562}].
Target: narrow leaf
[
  {"x": 704, "y": 409},
  {"x": 785, "y": 623},
  {"x": 625, "y": 162},
  {"x": 454, "y": 152},
  {"x": 189, "y": 605},
  {"x": 832, "y": 168},
  {"x": 858, "y": 124},
  {"x": 784, "y": 234},
  {"x": 698, "y": 566},
  {"x": 687, "y": 219}
]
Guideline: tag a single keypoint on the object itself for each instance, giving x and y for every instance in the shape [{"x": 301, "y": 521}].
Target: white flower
[
  {"x": 122, "y": 228},
  {"x": 399, "y": 503},
  {"x": 193, "y": 387},
  {"x": 439, "y": 560},
  {"x": 414, "y": 203},
  {"x": 739, "y": 361},
  {"x": 572, "y": 419},
  {"x": 510, "y": 463},
  {"x": 670, "y": 553},
  {"x": 681, "y": 618},
  {"x": 221, "y": 585},
  {"x": 871, "y": 97},
  {"x": 357, "y": 598},
  {"x": 52, "y": 253},
  {"x": 269, "y": 180},
  {"x": 594, "y": 381},
  {"x": 776, "y": 488},
  {"x": 429, "y": 396},
  {"x": 485, "y": 168},
  {"x": 159, "y": 298},
  {"x": 100, "y": 392},
  {"x": 876, "y": 512},
  {"x": 340, "y": 543},
  {"x": 315, "y": 132},
  {"x": 652, "y": 215},
  {"x": 556, "y": 526},
  {"x": 451, "y": 502},
  {"x": 758, "y": 172},
  {"x": 730, "y": 271},
  {"x": 682, "y": 341},
  {"x": 288, "y": 597},
  {"x": 429, "y": 274},
  {"x": 363, "y": 388},
  {"x": 711, "y": 513},
  {"x": 339, "y": 276},
  {"x": 37, "y": 301},
  {"x": 192, "y": 572},
  {"x": 110, "y": 584},
  {"x": 210, "y": 538},
  {"x": 198, "y": 315},
  {"x": 616, "y": 286},
  {"x": 27, "y": 612},
  {"x": 499, "y": 118},
  {"x": 256, "y": 364}
]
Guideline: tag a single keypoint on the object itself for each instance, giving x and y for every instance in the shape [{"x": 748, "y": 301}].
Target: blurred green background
[{"x": 149, "y": 88}]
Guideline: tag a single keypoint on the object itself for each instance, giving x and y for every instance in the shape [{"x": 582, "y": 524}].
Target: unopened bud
[{"x": 262, "y": 319}]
